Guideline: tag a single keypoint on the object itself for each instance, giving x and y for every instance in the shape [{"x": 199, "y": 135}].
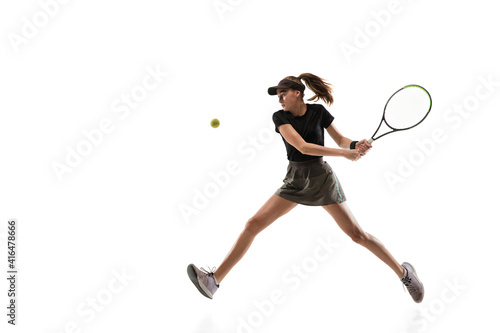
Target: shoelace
[
  {"x": 211, "y": 272},
  {"x": 407, "y": 282}
]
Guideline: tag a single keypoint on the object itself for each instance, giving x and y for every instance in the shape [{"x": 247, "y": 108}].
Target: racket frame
[{"x": 399, "y": 129}]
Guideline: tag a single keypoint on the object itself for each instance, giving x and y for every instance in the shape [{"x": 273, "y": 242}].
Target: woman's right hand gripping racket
[{"x": 405, "y": 109}]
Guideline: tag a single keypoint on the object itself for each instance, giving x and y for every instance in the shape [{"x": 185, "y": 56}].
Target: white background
[{"x": 119, "y": 210}]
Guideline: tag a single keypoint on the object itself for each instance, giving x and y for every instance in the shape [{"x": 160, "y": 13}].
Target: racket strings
[{"x": 407, "y": 107}]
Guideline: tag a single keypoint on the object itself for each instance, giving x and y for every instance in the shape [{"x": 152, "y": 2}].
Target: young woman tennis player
[{"x": 309, "y": 181}]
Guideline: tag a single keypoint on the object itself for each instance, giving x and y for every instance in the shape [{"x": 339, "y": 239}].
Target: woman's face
[{"x": 288, "y": 98}]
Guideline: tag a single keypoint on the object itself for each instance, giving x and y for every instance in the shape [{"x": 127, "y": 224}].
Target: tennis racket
[{"x": 405, "y": 109}]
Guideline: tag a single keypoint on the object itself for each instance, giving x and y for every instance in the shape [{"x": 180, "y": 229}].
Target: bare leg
[
  {"x": 347, "y": 222},
  {"x": 274, "y": 208}
]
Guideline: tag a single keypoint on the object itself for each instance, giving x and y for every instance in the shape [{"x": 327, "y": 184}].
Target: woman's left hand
[{"x": 363, "y": 146}]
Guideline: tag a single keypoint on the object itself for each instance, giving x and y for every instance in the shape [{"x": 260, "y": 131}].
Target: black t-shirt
[{"x": 310, "y": 126}]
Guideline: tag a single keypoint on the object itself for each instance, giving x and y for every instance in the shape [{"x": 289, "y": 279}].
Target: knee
[
  {"x": 254, "y": 226},
  {"x": 359, "y": 237}
]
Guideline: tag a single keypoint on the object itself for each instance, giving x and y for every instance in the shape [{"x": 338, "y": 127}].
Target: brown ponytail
[{"x": 319, "y": 87}]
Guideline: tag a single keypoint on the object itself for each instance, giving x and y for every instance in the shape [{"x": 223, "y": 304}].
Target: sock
[{"x": 405, "y": 274}]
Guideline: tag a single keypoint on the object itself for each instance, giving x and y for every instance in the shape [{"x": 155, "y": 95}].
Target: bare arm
[
  {"x": 306, "y": 148},
  {"x": 345, "y": 143},
  {"x": 339, "y": 139}
]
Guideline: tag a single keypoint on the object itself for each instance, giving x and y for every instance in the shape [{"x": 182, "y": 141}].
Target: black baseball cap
[{"x": 289, "y": 82}]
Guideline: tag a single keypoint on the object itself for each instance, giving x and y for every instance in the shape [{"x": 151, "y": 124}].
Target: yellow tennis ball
[{"x": 215, "y": 123}]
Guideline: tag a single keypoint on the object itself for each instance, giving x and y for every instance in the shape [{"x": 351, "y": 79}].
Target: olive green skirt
[{"x": 311, "y": 183}]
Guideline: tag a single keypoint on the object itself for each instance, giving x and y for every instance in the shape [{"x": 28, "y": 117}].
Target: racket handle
[{"x": 370, "y": 140}]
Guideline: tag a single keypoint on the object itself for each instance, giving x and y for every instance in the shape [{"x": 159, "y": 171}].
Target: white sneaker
[
  {"x": 203, "y": 280},
  {"x": 412, "y": 283}
]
